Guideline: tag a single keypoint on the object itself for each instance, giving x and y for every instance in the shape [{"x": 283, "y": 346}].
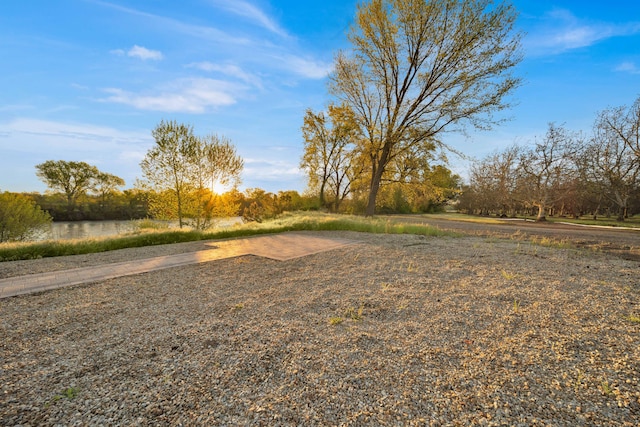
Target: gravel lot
[{"x": 397, "y": 330}]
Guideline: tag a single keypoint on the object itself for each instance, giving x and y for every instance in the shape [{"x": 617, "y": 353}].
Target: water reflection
[
  {"x": 84, "y": 229},
  {"x": 65, "y": 230}
]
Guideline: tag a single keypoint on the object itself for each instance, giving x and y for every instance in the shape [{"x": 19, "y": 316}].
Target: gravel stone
[{"x": 396, "y": 330}]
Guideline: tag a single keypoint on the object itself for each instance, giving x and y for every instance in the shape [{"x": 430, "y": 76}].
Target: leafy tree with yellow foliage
[{"x": 418, "y": 68}]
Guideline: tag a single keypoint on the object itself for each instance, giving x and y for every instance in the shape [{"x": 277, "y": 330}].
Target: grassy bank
[
  {"x": 632, "y": 222},
  {"x": 287, "y": 222}
]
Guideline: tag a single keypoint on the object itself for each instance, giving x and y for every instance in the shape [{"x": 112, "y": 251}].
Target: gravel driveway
[{"x": 396, "y": 330}]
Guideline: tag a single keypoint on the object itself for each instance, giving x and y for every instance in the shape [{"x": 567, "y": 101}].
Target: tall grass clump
[
  {"x": 326, "y": 222},
  {"x": 52, "y": 248},
  {"x": 150, "y": 224}
]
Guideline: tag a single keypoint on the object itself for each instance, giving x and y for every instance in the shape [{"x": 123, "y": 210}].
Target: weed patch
[
  {"x": 354, "y": 314},
  {"x": 69, "y": 393},
  {"x": 335, "y": 321},
  {"x": 507, "y": 275},
  {"x": 634, "y": 319}
]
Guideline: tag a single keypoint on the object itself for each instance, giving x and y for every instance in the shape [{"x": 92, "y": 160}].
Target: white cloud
[
  {"x": 139, "y": 52},
  {"x": 269, "y": 170},
  {"x": 628, "y": 67},
  {"x": 305, "y": 67},
  {"x": 242, "y": 49},
  {"x": 79, "y": 86},
  {"x": 561, "y": 31},
  {"x": 195, "y": 95},
  {"x": 144, "y": 53},
  {"x": 131, "y": 156},
  {"x": 247, "y": 10},
  {"x": 60, "y": 134},
  {"x": 229, "y": 70},
  {"x": 169, "y": 24}
]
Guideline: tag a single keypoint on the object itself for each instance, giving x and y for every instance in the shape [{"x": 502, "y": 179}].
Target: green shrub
[{"x": 20, "y": 218}]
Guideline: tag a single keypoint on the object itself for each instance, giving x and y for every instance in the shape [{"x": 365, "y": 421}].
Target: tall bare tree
[
  {"x": 547, "y": 168},
  {"x": 623, "y": 124},
  {"x": 494, "y": 179},
  {"x": 614, "y": 165},
  {"x": 420, "y": 67}
]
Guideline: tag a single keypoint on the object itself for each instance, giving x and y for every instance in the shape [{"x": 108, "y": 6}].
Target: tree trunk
[
  {"x": 179, "y": 209},
  {"x": 376, "y": 178},
  {"x": 323, "y": 203},
  {"x": 541, "y": 214},
  {"x": 70, "y": 206},
  {"x": 373, "y": 190},
  {"x": 622, "y": 205},
  {"x": 373, "y": 193}
]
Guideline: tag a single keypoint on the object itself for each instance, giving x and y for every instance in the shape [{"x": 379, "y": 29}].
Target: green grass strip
[{"x": 286, "y": 222}]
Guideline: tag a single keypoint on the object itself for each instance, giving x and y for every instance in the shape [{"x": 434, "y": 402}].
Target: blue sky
[{"x": 88, "y": 80}]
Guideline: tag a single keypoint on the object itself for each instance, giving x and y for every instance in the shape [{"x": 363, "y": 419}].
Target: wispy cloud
[
  {"x": 269, "y": 170},
  {"x": 239, "y": 49},
  {"x": 64, "y": 133},
  {"x": 228, "y": 69},
  {"x": 78, "y": 86},
  {"x": 38, "y": 139},
  {"x": 194, "y": 95},
  {"x": 628, "y": 67},
  {"x": 251, "y": 12},
  {"x": 560, "y": 31},
  {"x": 139, "y": 52},
  {"x": 203, "y": 32},
  {"x": 306, "y": 67},
  {"x": 144, "y": 53}
]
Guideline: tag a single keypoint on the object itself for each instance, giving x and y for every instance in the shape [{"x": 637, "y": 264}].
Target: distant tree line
[
  {"x": 564, "y": 173},
  {"x": 253, "y": 204},
  {"x": 116, "y": 205}
]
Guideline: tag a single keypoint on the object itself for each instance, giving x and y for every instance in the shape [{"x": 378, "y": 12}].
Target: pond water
[{"x": 64, "y": 230}]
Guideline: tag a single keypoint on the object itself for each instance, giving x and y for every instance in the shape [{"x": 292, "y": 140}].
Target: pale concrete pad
[{"x": 280, "y": 247}]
